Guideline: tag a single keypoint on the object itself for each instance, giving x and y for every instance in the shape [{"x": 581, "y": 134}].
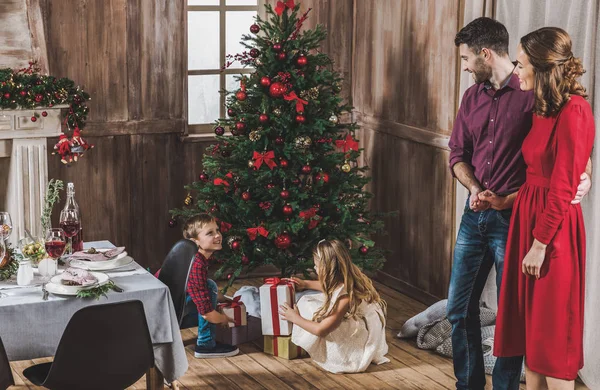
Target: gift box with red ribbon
[
  {"x": 282, "y": 346},
  {"x": 236, "y": 310},
  {"x": 274, "y": 293}
]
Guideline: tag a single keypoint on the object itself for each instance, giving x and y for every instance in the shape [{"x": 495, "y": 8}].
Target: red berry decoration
[
  {"x": 219, "y": 130},
  {"x": 246, "y": 196},
  {"x": 265, "y": 81},
  {"x": 306, "y": 169},
  {"x": 245, "y": 260},
  {"x": 302, "y": 61},
  {"x": 236, "y": 245},
  {"x": 283, "y": 241},
  {"x": 33, "y": 119},
  {"x": 229, "y": 276},
  {"x": 203, "y": 177},
  {"x": 254, "y": 53},
  {"x": 39, "y": 97},
  {"x": 284, "y": 194},
  {"x": 44, "y": 114},
  {"x": 172, "y": 223},
  {"x": 7, "y": 95},
  {"x": 240, "y": 127},
  {"x": 270, "y": 186},
  {"x": 263, "y": 118},
  {"x": 241, "y": 95},
  {"x": 231, "y": 112},
  {"x": 279, "y": 140},
  {"x": 277, "y": 47},
  {"x": 300, "y": 118},
  {"x": 287, "y": 209},
  {"x": 281, "y": 56},
  {"x": 23, "y": 93},
  {"x": 277, "y": 90},
  {"x": 254, "y": 29},
  {"x": 363, "y": 250},
  {"x": 322, "y": 176},
  {"x": 283, "y": 163}
]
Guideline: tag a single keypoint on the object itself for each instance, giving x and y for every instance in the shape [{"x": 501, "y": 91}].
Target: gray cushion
[{"x": 433, "y": 313}]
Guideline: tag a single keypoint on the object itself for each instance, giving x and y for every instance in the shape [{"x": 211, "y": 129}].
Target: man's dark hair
[{"x": 484, "y": 32}]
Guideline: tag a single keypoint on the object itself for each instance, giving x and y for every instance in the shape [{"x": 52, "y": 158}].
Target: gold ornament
[
  {"x": 303, "y": 142},
  {"x": 310, "y": 94},
  {"x": 277, "y": 112},
  {"x": 337, "y": 86},
  {"x": 346, "y": 167},
  {"x": 188, "y": 200},
  {"x": 250, "y": 163},
  {"x": 334, "y": 119},
  {"x": 257, "y": 62},
  {"x": 254, "y": 135}
]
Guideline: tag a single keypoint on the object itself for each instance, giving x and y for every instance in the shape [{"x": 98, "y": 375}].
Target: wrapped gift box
[
  {"x": 274, "y": 293},
  {"x": 234, "y": 336},
  {"x": 236, "y": 310},
  {"x": 254, "y": 328},
  {"x": 282, "y": 346}
]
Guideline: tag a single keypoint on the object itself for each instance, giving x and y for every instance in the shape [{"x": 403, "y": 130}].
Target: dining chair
[
  {"x": 174, "y": 274},
  {"x": 6, "y": 378},
  {"x": 103, "y": 347}
]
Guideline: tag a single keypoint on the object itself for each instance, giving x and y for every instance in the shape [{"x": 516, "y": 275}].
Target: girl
[{"x": 343, "y": 328}]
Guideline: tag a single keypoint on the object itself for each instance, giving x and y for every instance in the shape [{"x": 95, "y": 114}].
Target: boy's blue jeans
[
  {"x": 480, "y": 245},
  {"x": 206, "y": 330}
]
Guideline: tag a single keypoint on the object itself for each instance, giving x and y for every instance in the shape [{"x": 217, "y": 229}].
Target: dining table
[{"x": 31, "y": 327}]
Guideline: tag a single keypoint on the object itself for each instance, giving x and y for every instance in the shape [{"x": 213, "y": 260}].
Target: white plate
[
  {"x": 55, "y": 285},
  {"x": 105, "y": 265}
]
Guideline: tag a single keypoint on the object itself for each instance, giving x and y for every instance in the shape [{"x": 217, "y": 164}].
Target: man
[{"x": 492, "y": 122}]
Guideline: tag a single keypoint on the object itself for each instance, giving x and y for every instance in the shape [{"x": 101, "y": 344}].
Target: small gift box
[
  {"x": 235, "y": 310},
  {"x": 282, "y": 346},
  {"x": 234, "y": 336},
  {"x": 254, "y": 328},
  {"x": 274, "y": 293}
]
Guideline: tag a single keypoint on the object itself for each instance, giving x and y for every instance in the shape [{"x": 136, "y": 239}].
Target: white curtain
[{"x": 580, "y": 19}]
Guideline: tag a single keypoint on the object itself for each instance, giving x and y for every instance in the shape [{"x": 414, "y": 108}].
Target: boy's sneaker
[{"x": 218, "y": 351}]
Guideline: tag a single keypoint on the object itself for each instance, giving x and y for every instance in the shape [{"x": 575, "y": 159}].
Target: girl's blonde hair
[
  {"x": 193, "y": 225},
  {"x": 336, "y": 268}
]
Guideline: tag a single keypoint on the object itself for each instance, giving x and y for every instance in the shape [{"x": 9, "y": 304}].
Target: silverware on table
[{"x": 44, "y": 292}]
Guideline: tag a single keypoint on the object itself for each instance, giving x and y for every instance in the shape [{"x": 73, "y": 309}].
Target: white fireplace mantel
[{"x": 24, "y": 154}]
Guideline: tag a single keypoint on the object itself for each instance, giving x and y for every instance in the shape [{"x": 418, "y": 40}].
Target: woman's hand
[
  {"x": 300, "y": 284},
  {"x": 288, "y": 313},
  {"x": 532, "y": 263}
]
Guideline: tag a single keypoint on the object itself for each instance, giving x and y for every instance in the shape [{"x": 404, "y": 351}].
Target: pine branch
[{"x": 52, "y": 196}]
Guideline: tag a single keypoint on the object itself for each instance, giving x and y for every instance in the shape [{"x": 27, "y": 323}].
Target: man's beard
[{"x": 482, "y": 72}]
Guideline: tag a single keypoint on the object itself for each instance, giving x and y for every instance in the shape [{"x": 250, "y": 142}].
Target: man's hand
[
  {"x": 496, "y": 202},
  {"x": 475, "y": 203},
  {"x": 583, "y": 188}
]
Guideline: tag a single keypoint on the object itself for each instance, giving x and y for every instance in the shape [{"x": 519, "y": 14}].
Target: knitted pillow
[{"x": 435, "y": 312}]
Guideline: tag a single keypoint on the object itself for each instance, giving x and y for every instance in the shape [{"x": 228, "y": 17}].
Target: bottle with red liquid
[{"x": 71, "y": 204}]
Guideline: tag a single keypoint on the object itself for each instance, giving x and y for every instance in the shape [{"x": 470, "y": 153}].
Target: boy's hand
[
  {"x": 225, "y": 321},
  {"x": 299, "y": 283}
]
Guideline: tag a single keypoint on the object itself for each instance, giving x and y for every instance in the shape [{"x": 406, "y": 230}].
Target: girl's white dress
[{"x": 353, "y": 345}]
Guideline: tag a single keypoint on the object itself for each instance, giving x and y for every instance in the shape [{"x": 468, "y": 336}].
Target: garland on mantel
[{"x": 28, "y": 89}]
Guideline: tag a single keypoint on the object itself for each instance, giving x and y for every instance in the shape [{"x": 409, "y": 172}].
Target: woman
[{"x": 540, "y": 313}]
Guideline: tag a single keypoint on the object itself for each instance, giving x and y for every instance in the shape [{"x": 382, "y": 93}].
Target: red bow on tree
[
  {"x": 281, "y": 6},
  {"x": 314, "y": 222},
  {"x": 265, "y": 157},
  {"x": 348, "y": 143},
  {"x": 225, "y": 227},
  {"x": 299, "y": 102},
  {"x": 308, "y": 214},
  {"x": 222, "y": 182},
  {"x": 253, "y": 233}
]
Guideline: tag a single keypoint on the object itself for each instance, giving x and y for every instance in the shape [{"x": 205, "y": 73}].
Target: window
[{"x": 214, "y": 29}]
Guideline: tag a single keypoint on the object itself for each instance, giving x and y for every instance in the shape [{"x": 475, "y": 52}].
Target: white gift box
[{"x": 273, "y": 294}]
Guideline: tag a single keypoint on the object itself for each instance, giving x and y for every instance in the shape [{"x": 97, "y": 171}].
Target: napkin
[{"x": 102, "y": 256}]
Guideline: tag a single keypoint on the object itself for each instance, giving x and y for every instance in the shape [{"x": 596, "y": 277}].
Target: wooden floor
[{"x": 410, "y": 367}]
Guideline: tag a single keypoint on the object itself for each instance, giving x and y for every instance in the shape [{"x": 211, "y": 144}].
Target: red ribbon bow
[
  {"x": 221, "y": 182},
  {"x": 235, "y": 302},
  {"x": 348, "y": 143},
  {"x": 299, "y": 102},
  {"x": 281, "y": 6},
  {"x": 265, "y": 157},
  {"x": 253, "y": 233},
  {"x": 225, "y": 227},
  {"x": 308, "y": 214}
]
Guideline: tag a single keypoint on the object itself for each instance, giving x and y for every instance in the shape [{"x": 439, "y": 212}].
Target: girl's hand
[
  {"x": 288, "y": 313},
  {"x": 532, "y": 263},
  {"x": 299, "y": 283}
]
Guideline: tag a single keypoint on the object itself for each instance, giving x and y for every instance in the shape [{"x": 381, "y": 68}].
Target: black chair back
[
  {"x": 174, "y": 273},
  {"x": 6, "y": 378},
  {"x": 104, "y": 347}
]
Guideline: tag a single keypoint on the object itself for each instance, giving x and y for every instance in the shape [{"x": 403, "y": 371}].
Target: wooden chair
[
  {"x": 103, "y": 347},
  {"x": 6, "y": 378}
]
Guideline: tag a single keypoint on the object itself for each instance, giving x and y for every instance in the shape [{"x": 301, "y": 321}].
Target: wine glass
[
  {"x": 5, "y": 225},
  {"x": 71, "y": 224},
  {"x": 54, "y": 243}
]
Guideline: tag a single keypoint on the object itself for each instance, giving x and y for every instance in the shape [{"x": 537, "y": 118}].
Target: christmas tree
[{"x": 287, "y": 177}]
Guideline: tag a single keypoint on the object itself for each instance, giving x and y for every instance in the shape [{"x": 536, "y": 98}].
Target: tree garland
[{"x": 26, "y": 88}]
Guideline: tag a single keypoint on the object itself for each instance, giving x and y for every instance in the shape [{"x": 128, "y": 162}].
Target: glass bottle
[{"x": 71, "y": 204}]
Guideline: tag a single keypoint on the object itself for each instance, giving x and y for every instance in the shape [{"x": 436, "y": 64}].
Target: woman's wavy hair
[
  {"x": 337, "y": 269},
  {"x": 556, "y": 70}
]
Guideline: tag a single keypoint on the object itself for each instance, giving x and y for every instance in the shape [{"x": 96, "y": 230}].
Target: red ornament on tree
[
  {"x": 302, "y": 60},
  {"x": 283, "y": 241},
  {"x": 246, "y": 196},
  {"x": 219, "y": 130},
  {"x": 281, "y": 56},
  {"x": 245, "y": 260},
  {"x": 279, "y": 140},
  {"x": 203, "y": 177},
  {"x": 265, "y": 81},
  {"x": 363, "y": 250},
  {"x": 322, "y": 176},
  {"x": 284, "y": 194},
  {"x": 39, "y": 97},
  {"x": 300, "y": 118},
  {"x": 306, "y": 169},
  {"x": 270, "y": 186},
  {"x": 33, "y": 119},
  {"x": 23, "y": 93},
  {"x": 287, "y": 209},
  {"x": 44, "y": 114},
  {"x": 230, "y": 112},
  {"x": 254, "y": 29},
  {"x": 7, "y": 95},
  {"x": 283, "y": 163},
  {"x": 172, "y": 223},
  {"x": 229, "y": 276},
  {"x": 241, "y": 95},
  {"x": 277, "y": 47},
  {"x": 277, "y": 89},
  {"x": 263, "y": 118},
  {"x": 236, "y": 245},
  {"x": 240, "y": 127},
  {"x": 254, "y": 52}
]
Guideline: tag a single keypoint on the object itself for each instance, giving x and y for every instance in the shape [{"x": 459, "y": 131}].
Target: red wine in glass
[
  {"x": 71, "y": 228},
  {"x": 55, "y": 249}
]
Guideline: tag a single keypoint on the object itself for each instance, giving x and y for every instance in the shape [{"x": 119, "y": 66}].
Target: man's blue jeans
[
  {"x": 480, "y": 244},
  {"x": 206, "y": 330}
]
